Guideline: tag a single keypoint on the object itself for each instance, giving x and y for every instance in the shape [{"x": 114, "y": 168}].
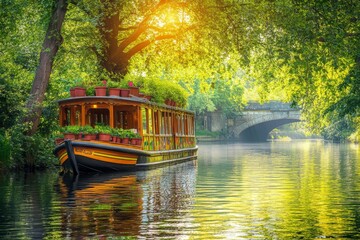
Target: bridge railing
[{"x": 270, "y": 106}]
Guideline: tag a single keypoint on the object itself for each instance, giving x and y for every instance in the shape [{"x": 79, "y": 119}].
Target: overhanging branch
[{"x": 139, "y": 47}]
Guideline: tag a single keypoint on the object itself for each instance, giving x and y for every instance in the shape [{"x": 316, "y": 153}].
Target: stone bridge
[{"x": 256, "y": 121}]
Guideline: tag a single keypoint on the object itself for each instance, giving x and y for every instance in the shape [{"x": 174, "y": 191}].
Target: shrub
[
  {"x": 160, "y": 90},
  {"x": 5, "y": 161},
  {"x": 30, "y": 152},
  {"x": 90, "y": 91},
  {"x": 114, "y": 84}
]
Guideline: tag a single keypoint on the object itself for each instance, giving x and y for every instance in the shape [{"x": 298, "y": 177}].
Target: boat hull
[{"x": 101, "y": 157}]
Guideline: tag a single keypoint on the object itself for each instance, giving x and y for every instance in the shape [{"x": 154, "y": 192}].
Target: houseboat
[{"x": 166, "y": 134}]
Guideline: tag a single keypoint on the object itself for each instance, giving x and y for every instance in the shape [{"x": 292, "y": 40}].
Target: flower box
[
  {"x": 134, "y": 91},
  {"x": 100, "y": 91},
  {"x": 114, "y": 91},
  {"x": 104, "y": 137},
  {"x": 125, "y": 140},
  {"x": 124, "y": 92},
  {"x": 79, "y": 92},
  {"x": 69, "y": 136}
]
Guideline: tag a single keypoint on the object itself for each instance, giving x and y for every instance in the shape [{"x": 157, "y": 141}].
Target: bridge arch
[{"x": 256, "y": 127}]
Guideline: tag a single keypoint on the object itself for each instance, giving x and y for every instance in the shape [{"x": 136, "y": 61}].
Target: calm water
[{"x": 302, "y": 190}]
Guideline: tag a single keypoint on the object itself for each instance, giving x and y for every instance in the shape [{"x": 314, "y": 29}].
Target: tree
[
  {"x": 309, "y": 48},
  {"x": 51, "y": 44},
  {"x": 128, "y": 28},
  {"x": 306, "y": 48}
]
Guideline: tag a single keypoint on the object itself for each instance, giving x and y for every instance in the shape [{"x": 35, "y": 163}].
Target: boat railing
[{"x": 161, "y": 142}]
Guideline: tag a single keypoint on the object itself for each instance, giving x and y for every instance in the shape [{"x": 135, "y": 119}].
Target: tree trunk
[
  {"x": 51, "y": 44},
  {"x": 116, "y": 53},
  {"x": 113, "y": 59}
]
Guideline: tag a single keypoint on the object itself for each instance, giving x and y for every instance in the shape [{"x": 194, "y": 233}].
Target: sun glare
[{"x": 171, "y": 18}]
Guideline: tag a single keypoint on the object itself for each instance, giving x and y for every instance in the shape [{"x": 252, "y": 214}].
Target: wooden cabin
[
  {"x": 167, "y": 132},
  {"x": 162, "y": 127}
]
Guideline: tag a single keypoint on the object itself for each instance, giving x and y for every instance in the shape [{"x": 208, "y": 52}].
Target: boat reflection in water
[{"x": 126, "y": 204}]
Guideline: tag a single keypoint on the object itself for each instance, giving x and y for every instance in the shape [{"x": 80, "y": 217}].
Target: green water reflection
[{"x": 305, "y": 190}]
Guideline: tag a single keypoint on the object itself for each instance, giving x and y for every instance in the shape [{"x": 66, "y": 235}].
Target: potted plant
[
  {"x": 72, "y": 92},
  {"x": 89, "y": 133},
  {"x": 138, "y": 139},
  {"x": 124, "y": 135},
  {"x": 134, "y": 91},
  {"x": 101, "y": 90},
  {"x": 78, "y": 90},
  {"x": 71, "y": 132},
  {"x": 58, "y": 138},
  {"x": 115, "y": 134},
  {"x": 124, "y": 89},
  {"x": 104, "y": 132},
  {"x": 134, "y": 138},
  {"x": 174, "y": 94},
  {"x": 114, "y": 88},
  {"x": 159, "y": 90}
]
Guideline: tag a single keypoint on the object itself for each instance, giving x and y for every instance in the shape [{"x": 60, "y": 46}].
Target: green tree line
[{"x": 214, "y": 49}]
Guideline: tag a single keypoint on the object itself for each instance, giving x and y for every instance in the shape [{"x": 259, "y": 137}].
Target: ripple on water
[{"x": 234, "y": 191}]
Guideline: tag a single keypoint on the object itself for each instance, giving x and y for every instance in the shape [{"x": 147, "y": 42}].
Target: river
[{"x": 279, "y": 190}]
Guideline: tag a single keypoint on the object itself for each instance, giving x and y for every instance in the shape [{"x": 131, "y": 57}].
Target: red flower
[
  {"x": 104, "y": 82},
  {"x": 131, "y": 84}
]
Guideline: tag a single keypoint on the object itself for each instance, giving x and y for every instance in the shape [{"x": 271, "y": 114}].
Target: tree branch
[
  {"x": 142, "y": 27},
  {"x": 139, "y": 47}
]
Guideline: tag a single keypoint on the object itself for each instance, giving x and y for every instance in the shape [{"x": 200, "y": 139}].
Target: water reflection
[
  {"x": 279, "y": 190},
  {"x": 126, "y": 204},
  {"x": 236, "y": 191}
]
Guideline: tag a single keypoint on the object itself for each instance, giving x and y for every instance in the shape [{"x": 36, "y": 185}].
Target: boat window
[
  {"x": 67, "y": 117},
  {"x": 182, "y": 124},
  {"x": 169, "y": 123},
  {"x": 162, "y": 124},
  {"x": 99, "y": 115},
  {"x": 144, "y": 120},
  {"x": 190, "y": 121},
  {"x": 72, "y": 115},
  {"x": 125, "y": 116},
  {"x": 177, "y": 124},
  {"x": 156, "y": 122},
  {"x": 150, "y": 120},
  {"x": 77, "y": 116},
  {"x": 119, "y": 119},
  {"x": 192, "y": 125}
]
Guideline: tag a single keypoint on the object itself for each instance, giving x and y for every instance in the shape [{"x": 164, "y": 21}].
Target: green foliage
[
  {"x": 4, "y": 152},
  {"x": 103, "y": 129},
  {"x": 339, "y": 128},
  {"x": 200, "y": 101},
  {"x": 126, "y": 133},
  {"x": 207, "y": 133},
  {"x": 90, "y": 91},
  {"x": 305, "y": 52},
  {"x": 87, "y": 129},
  {"x": 71, "y": 129},
  {"x": 309, "y": 51},
  {"x": 30, "y": 152},
  {"x": 161, "y": 90},
  {"x": 114, "y": 84},
  {"x": 13, "y": 90},
  {"x": 116, "y": 132}
]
